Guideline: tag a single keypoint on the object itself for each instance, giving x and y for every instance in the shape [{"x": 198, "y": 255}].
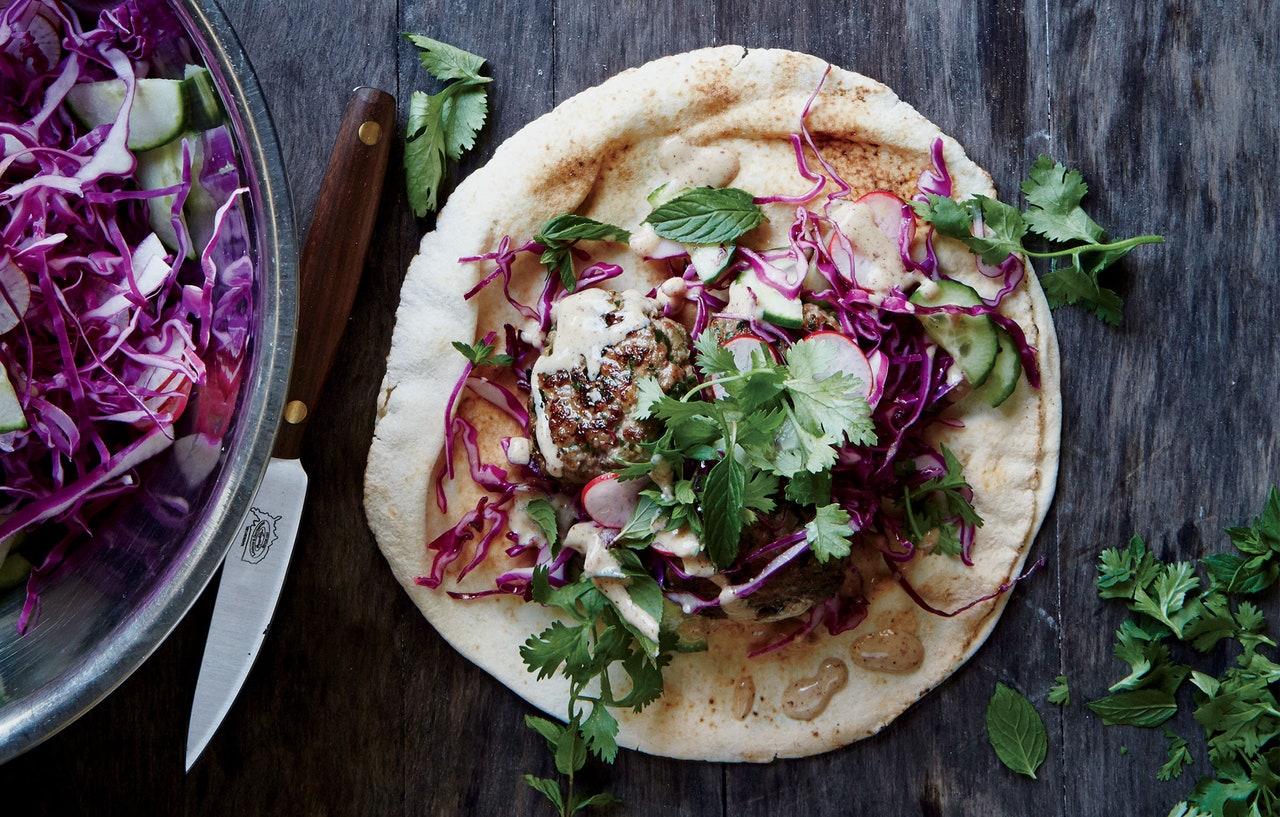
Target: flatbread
[{"x": 597, "y": 154}]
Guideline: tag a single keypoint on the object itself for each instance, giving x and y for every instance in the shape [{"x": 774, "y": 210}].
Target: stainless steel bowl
[{"x": 113, "y": 607}]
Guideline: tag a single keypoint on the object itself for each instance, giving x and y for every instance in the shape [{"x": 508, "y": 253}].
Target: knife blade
[{"x": 329, "y": 271}]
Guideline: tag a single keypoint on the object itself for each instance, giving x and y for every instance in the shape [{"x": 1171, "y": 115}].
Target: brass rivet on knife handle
[{"x": 332, "y": 259}]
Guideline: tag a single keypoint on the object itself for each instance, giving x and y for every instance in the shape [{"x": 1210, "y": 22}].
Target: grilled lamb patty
[{"x": 584, "y": 385}]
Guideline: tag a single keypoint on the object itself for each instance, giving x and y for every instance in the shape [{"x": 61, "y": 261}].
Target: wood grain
[{"x": 356, "y": 706}]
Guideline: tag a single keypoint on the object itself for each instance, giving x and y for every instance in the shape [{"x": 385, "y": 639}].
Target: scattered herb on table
[
  {"x": 1016, "y": 731},
  {"x": 1078, "y": 248},
  {"x": 1237, "y": 709},
  {"x": 442, "y": 126},
  {"x": 1059, "y": 693}
]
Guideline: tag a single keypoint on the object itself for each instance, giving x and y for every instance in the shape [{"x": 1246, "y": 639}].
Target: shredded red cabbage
[
  {"x": 117, "y": 331},
  {"x": 912, "y": 389}
]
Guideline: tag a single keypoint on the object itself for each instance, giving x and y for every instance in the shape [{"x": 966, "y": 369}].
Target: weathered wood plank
[{"x": 1173, "y": 422}]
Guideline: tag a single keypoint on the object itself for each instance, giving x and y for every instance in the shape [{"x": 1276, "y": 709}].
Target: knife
[{"x": 329, "y": 272}]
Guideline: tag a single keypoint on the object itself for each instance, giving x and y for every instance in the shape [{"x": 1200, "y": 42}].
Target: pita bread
[{"x": 598, "y": 154}]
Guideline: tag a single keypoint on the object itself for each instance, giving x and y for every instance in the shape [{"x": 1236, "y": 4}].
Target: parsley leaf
[
  {"x": 1178, "y": 756},
  {"x": 706, "y": 215},
  {"x": 1016, "y": 731},
  {"x": 1054, "y": 213},
  {"x": 442, "y": 126},
  {"x": 941, "y": 504},
  {"x": 481, "y": 353},
  {"x": 1059, "y": 693},
  {"x": 1237, "y": 709}
]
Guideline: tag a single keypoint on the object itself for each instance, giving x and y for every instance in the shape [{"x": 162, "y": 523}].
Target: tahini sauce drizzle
[
  {"x": 805, "y": 699},
  {"x": 694, "y": 166},
  {"x": 889, "y": 650}
]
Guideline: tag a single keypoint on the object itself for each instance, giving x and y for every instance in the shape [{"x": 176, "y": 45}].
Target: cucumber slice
[
  {"x": 204, "y": 106},
  {"x": 1005, "y": 374},
  {"x": 14, "y": 570},
  {"x": 970, "y": 339},
  {"x": 11, "y": 416},
  {"x": 710, "y": 259},
  {"x": 158, "y": 115},
  {"x": 775, "y": 307},
  {"x": 162, "y": 167}
]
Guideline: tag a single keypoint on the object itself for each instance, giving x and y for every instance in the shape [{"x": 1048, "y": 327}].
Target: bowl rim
[{"x": 40, "y": 715}]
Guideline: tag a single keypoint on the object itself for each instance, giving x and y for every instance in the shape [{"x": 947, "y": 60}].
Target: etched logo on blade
[{"x": 259, "y": 535}]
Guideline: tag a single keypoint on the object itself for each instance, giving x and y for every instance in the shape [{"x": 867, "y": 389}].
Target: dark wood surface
[{"x": 356, "y": 706}]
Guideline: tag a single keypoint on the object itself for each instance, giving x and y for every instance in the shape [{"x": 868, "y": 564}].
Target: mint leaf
[
  {"x": 549, "y": 789},
  {"x": 706, "y": 215},
  {"x": 1141, "y": 707},
  {"x": 560, "y": 234},
  {"x": 1016, "y": 731},
  {"x": 722, "y": 501},
  {"x": 542, "y": 513}
]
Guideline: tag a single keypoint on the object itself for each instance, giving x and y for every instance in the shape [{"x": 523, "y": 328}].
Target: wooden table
[{"x": 356, "y": 706}]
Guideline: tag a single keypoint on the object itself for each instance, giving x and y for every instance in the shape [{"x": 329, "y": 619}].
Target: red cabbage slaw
[
  {"x": 116, "y": 330},
  {"x": 886, "y": 326}
]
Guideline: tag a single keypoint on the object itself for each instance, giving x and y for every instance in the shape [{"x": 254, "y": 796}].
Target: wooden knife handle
[{"x": 334, "y": 253}]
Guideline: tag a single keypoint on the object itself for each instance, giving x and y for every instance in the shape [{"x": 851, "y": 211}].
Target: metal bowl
[{"x": 109, "y": 610}]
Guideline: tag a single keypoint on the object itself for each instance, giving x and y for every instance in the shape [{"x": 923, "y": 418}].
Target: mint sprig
[
  {"x": 560, "y": 234},
  {"x": 706, "y": 215}
]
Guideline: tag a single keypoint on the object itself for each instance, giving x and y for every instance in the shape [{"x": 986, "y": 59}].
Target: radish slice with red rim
[
  {"x": 609, "y": 501},
  {"x": 742, "y": 347}
]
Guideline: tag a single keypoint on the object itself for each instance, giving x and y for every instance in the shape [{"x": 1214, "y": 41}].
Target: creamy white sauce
[
  {"x": 518, "y": 450},
  {"x": 681, "y": 543},
  {"x": 606, "y": 574},
  {"x": 698, "y": 166},
  {"x": 522, "y": 524},
  {"x": 581, "y": 337},
  {"x": 877, "y": 260}
]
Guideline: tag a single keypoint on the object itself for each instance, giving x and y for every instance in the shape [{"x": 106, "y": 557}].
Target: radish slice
[
  {"x": 742, "y": 347},
  {"x": 849, "y": 359},
  {"x": 610, "y": 501},
  {"x": 888, "y": 210},
  {"x": 15, "y": 289}
]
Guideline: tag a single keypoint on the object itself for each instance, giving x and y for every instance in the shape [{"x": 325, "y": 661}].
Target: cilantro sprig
[
  {"x": 442, "y": 126},
  {"x": 771, "y": 422},
  {"x": 941, "y": 504},
  {"x": 1054, "y": 213},
  {"x": 1237, "y": 709},
  {"x": 483, "y": 353},
  {"x": 594, "y": 639}
]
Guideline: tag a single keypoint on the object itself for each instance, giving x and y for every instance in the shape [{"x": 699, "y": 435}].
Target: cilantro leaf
[
  {"x": 1016, "y": 731},
  {"x": 444, "y": 125},
  {"x": 446, "y": 62},
  {"x": 1053, "y": 196},
  {"x": 706, "y": 215},
  {"x": 1054, "y": 213},
  {"x": 828, "y": 533},
  {"x": 941, "y": 504}
]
